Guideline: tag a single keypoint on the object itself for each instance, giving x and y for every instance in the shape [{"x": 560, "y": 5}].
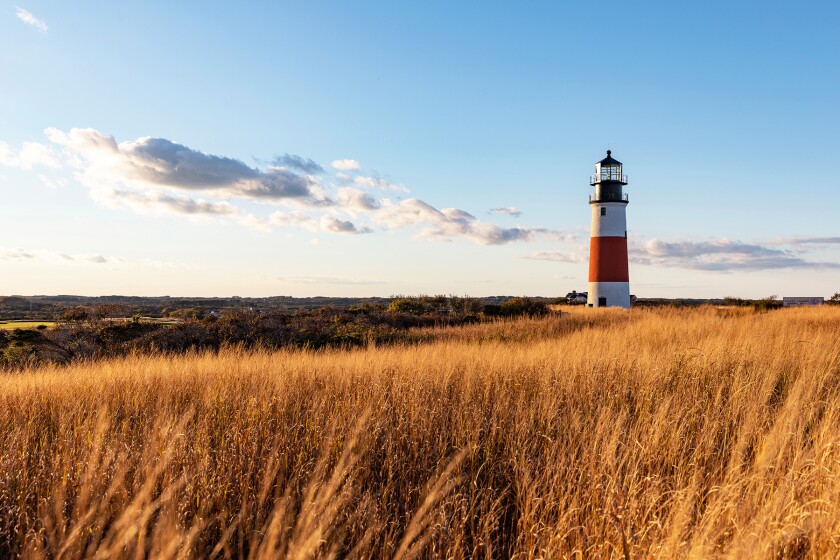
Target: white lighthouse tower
[{"x": 609, "y": 279}]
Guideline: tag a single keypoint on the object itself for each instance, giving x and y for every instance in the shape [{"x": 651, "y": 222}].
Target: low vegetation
[
  {"x": 664, "y": 433},
  {"x": 94, "y": 333}
]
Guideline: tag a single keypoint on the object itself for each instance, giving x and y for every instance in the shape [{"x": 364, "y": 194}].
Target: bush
[
  {"x": 523, "y": 306},
  {"x": 766, "y": 304},
  {"x": 412, "y": 306}
]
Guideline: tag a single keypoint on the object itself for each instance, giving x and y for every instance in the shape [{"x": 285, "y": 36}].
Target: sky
[{"x": 383, "y": 148}]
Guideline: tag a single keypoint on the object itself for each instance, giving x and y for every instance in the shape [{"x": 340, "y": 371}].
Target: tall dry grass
[{"x": 598, "y": 434}]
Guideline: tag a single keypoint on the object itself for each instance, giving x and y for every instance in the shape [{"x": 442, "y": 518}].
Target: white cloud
[
  {"x": 345, "y": 164},
  {"x": 26, "y": 17},
  {"x": 31, "y": 154},
  {"x": 375, "y": 182},
  {"x": 355, "y": 200}
]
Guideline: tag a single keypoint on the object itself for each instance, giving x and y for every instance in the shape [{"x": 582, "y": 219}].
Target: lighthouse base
[{"x": 609, "y": 294}]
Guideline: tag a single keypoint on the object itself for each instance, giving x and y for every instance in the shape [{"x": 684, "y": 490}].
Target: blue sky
[{"x": 304, "y": 148}]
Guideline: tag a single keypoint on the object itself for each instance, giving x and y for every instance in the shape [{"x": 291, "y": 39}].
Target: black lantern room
[
  {"x": 608, "y": 169},
  {"x": 608, "y": 181}
]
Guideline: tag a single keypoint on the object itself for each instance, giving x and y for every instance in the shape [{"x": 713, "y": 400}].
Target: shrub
[{"x": 523, "y": 306}]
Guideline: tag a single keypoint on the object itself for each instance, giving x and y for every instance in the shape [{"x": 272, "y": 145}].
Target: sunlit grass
[{"x": 598, "y": 433}]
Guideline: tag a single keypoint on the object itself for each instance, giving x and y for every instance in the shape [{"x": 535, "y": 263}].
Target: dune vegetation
[{"x": 666, "y": 433}]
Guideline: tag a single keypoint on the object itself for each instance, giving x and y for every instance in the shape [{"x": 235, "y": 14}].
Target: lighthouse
[{"x": 609, "y": 280}]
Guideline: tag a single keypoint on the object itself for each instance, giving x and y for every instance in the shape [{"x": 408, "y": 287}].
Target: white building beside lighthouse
[{"x": 609, "y": 278}]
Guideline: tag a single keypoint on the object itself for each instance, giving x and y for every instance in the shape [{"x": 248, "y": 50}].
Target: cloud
[
  {"x": 26, "y": 17},
  {"x": 54, "y": 183},
  {"x": 720, "y": 255},
  {"x": 356, "y": 200},
  {"x": 335, "y": 225},
  {"x": 447, "y": 223},
  {"x": 294, "y": 218},
  {"x": 329, "y": 280},
  {"x": 808, "y": 241},
  {"x": 95, "y": 259},
  {"x": 345, "y": 164},
  {"x": 161, "y": 163},
  {"x": 506, "y": 211},
  {"x": 557, "y": 257},
  {"x": 375, "y": 182},
  {"x": 163, "y": 176},
  {"x": 31, "y": 154},
  {"x": 171, "y": 204},
  {"x": 16, "y": 255},
  {"x": 298, "y": 163}
]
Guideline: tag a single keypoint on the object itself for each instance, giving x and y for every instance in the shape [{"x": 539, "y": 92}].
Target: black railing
[
  {"x": 595, "y": 179},
  {"x": 608, "y": 197}
]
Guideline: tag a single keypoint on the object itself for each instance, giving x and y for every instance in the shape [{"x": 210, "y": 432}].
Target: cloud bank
[
  {"x": 158, "y": 162},
  {"x": 162, "y": 176},
  {"x": 721, "y": 255}
]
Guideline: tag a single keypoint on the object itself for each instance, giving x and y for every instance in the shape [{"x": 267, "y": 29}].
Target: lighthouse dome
[{"x": 609, "y": 160}]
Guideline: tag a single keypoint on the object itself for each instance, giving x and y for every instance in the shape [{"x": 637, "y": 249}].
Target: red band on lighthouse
[{"x": 608, "y": 259}]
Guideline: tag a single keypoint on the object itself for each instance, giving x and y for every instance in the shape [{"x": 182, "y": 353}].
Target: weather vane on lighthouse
[{"x": 609, "y": 280}]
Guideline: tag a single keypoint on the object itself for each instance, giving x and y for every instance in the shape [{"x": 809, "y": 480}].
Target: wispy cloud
[
  {"x": 556, "y": 256},
  {"x": 506, "y": 211},
  {"x": 447, "y": 223},
  {"x": 345, "y": 164},
  {"x": 329, "y": 280},
  {"x": 298, "y": 163},
  {"x": 375, "y": 182},
  {"x": 56, "y": 257},
  {"x": 808, "y": 241},
  {"x": 26, "y": 17},
  {"x": 168, "y": 203}
]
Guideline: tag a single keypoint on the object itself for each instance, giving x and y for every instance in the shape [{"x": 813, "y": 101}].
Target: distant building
[
  {"x": 576, "y": 297},
  {"x": 802, "y": 301}
]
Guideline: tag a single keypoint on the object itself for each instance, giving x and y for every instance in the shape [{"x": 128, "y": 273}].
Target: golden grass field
[{"x": 671, "y": 433}]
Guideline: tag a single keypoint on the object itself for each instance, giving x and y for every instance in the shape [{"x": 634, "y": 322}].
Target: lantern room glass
[{"x": 611, "y": 172}]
